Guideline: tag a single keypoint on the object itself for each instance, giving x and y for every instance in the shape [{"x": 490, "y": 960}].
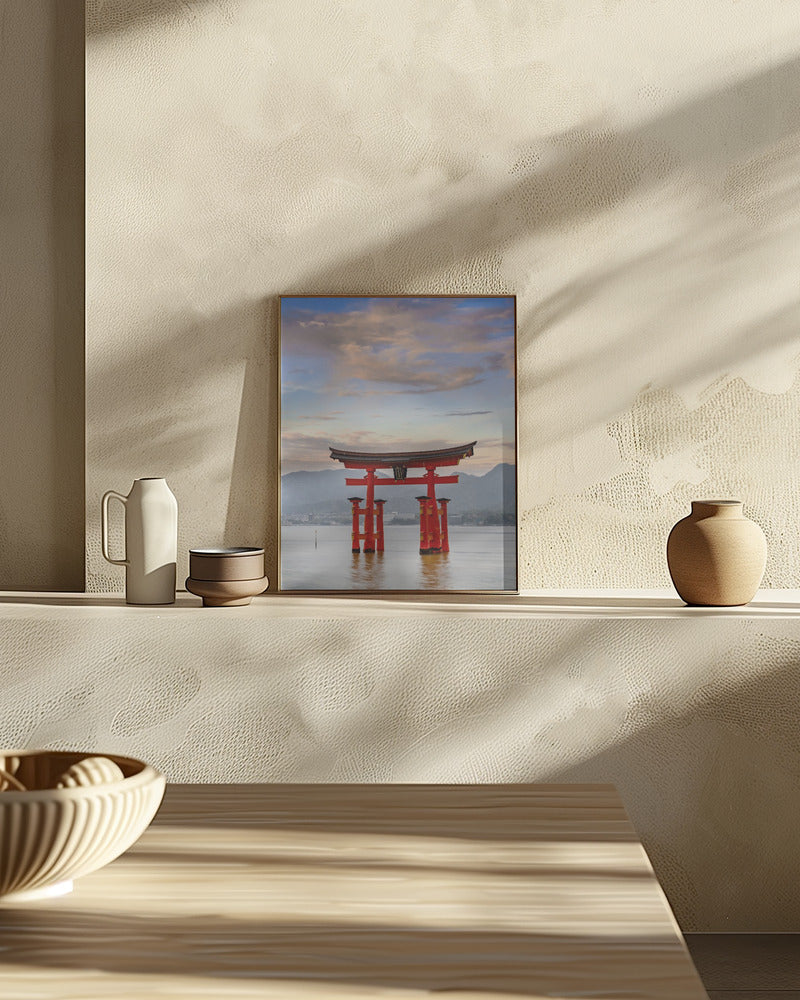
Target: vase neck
[
  {"x": 716, "y": 508},
  {"x": 152, "y": 484}
]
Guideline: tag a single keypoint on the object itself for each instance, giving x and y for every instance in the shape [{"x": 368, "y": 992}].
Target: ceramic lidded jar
[
  {"x": 226, "y": 578},
  {"x": 716, "y": 556}
]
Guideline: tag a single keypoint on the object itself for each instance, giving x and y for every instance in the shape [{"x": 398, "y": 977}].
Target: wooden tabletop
[{"x": 481, "y": 892}]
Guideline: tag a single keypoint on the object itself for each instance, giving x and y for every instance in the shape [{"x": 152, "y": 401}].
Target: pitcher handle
[{"x": 111, "y": 495}]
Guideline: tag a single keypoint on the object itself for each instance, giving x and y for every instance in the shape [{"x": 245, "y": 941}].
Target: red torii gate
[{"x": 433, "y": 535}]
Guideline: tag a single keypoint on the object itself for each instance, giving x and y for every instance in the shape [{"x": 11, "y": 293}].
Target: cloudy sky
[{"x": 389, "y": 373}]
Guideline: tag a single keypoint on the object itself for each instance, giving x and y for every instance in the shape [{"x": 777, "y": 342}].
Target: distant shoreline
[
  {"x": 322, "y": 498},
  {"x": 475, "y": 519}
]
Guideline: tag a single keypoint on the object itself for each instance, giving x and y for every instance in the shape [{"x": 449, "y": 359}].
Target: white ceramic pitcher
[{"x": 151, "y": 541}]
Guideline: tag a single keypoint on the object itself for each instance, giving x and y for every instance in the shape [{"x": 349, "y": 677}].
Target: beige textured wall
[
  {"x": 41, "y": 295},
  {"x": 628, "y": 169}
]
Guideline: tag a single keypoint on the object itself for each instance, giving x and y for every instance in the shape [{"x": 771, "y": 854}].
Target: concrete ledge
[
  {"x": 693, "y": 719},
  {"x": 661, "y": 603}
]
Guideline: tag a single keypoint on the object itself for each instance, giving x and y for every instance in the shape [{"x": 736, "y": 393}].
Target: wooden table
[{"x": 333, "y": 891}]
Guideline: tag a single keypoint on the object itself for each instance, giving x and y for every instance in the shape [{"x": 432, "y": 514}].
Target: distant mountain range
[{"x": 325, "y": 492}]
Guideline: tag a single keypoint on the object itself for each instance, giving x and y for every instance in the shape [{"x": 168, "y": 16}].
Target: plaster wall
[{"x": 629, "y": 170}]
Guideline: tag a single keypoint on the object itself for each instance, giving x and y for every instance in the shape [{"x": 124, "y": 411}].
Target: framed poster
[{"x": 398, "y": 444}]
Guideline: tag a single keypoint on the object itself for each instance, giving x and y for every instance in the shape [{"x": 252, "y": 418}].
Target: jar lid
[{"x": 241, "y": 550}]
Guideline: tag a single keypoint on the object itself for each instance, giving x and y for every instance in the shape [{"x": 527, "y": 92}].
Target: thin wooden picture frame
[{"x": 398, "y": 444}]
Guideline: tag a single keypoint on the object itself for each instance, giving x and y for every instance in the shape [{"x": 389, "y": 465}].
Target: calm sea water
[{"x": 319, "y": 558}]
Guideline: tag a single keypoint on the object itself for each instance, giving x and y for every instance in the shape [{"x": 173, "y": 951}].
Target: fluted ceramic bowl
[{"x": 51, "y": 835}]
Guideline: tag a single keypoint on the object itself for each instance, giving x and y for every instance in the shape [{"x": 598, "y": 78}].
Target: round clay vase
[{"x": 716, "y": 556}]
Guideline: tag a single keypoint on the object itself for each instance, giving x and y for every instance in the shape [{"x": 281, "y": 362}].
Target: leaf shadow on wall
[
  {"x": 596, "y": 168},
  {"x": 702, "y": 145}
]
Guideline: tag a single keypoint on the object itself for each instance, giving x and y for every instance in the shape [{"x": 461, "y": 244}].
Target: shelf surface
[{"x": 531, "y": 603}]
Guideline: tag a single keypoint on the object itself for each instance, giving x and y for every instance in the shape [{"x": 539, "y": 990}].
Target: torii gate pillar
[
  {"x": 443, "y": 502},
  {"x": 379, "y": 531},
  {"x": 356, "y": 535},
  {"x": 430, "y": 535}
]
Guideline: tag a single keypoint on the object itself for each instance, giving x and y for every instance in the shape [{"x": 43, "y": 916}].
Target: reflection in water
[
  {"x": 366, "y": 571},
  {"x": 319, "y": 557},
  {"x": 435, "y": 571}
]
